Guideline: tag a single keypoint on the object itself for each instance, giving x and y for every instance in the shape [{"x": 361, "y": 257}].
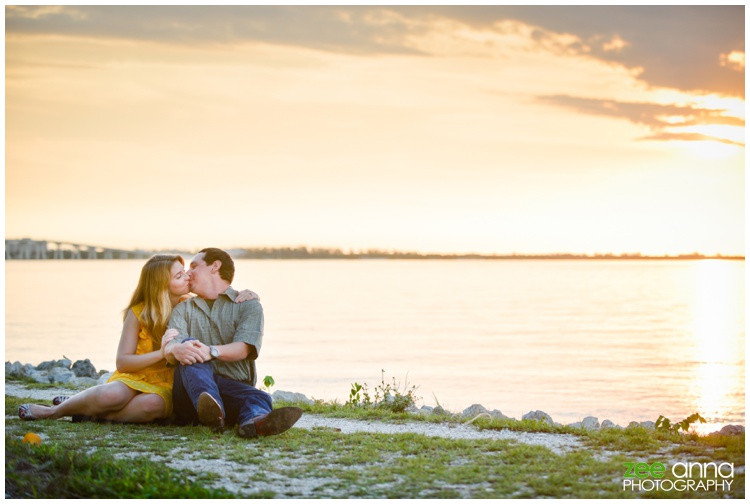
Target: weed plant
[{"x": 387, "y": 396}]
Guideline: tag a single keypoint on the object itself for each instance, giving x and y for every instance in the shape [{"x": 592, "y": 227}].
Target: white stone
[
  {"x": 103, "y": 378},
  {"x": 496, "y": 413},
  {"x": 425, "y": 410},
  {"x": 61, "y": 375},
  {"x": 538, "y": 415},
  {"x": 439, "y": 411},
  {"x": 15, "y": 369},
  {"x": 732, "y": 430},
  {"x": 291, "y": 397},
  {"x": 474, "y": 410},
  {"x": 39, "y": 376},
  {"x": 82, "y": 381},
  {"x": 590, "y": 423},
  {"x": 609, "y": 424}
]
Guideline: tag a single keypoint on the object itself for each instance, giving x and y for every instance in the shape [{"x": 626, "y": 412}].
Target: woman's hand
[
  {"x": 246, "y": 295},
  {"x": 169, "y": 335}
]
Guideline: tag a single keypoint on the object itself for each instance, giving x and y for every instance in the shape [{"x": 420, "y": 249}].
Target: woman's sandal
[
  {"x": 24, "y": 412},
  {"x": 60, "y": 399}
]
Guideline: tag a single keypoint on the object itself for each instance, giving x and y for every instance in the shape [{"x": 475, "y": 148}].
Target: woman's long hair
[{"x": 153, "y": 292}]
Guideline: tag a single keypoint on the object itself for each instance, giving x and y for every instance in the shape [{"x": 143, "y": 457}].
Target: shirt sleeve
[
  {"x": 250, "y": 326},
  {"x": 178, "y": 320}
]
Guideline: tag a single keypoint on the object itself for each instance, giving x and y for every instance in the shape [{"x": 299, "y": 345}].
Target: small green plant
[
  {"x": 387, "y": 396},
  {"x": 358, "y": 396},
  {"x": 665, "y": 425},
  {"x": 268, "y": 382}
]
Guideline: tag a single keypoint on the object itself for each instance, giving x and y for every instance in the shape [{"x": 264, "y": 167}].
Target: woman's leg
[
  {"x": 142, "y": 408},
  {"x": 95, "y": 401}
]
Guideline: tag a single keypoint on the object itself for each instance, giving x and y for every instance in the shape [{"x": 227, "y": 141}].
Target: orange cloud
[{"x": 657, "y": 117}]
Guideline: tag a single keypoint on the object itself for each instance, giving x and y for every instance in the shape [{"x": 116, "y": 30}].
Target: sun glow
[
  {"x": 710, "y": 149},
  {"x": 718, "y": 338}
]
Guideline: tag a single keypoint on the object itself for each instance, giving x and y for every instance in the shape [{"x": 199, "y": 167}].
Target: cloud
[
  {"x": 350, "y": 29},
  {"x": 656, "y": 117},
  {"x": 691, "y": 137},
  {"x": 676, "y": 46},
  {"x": 687, "y": 48}
]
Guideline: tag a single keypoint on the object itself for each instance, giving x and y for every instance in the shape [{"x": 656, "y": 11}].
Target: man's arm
[
  {"x": 244, "y": 346},
  {"x": 178, "y": 350},
  {"x": 233, "y": 352},
  {"x": 249, "y": 333}
]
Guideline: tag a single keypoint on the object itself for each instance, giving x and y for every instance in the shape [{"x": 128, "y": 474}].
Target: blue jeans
[{"x": 240, "y": 402}]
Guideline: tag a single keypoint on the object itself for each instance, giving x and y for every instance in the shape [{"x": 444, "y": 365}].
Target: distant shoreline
[
  {"x": 28, "y": 249},
  {"x": 421, "y": 257},
  {"x": 305, "y": 253}
]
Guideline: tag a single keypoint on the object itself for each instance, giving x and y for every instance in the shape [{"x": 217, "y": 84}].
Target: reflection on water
[
  {"x": 620, "y": 340},
  {"x": 717, "y": 332}
]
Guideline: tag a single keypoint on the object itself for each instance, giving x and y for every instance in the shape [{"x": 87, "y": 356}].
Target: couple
[{"x": 196, "y": 353}]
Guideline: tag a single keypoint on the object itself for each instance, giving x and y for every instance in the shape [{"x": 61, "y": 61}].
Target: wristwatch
[{"x": 214, "y": 352}]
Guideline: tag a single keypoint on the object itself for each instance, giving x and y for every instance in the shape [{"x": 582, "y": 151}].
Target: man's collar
[{"x": 230, "y": 293}]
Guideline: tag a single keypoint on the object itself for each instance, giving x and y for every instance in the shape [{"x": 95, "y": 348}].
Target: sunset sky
[{"x": 491, "y": 129}]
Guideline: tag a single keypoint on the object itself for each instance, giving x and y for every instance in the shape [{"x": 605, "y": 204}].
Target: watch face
[{"x": 214, "y": 352}]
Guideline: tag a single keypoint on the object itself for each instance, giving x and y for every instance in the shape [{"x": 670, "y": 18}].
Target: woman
[{"x": 141, "y": 389}]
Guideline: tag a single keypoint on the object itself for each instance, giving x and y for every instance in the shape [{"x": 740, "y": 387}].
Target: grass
[
  {"x": 90, "y": 460},
  {"x": 56, "y": 471}
]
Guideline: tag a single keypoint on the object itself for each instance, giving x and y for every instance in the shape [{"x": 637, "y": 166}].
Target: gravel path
[{"x": 558, "y": 443}]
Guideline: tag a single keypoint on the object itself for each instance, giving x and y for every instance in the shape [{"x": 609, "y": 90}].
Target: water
[{"x": 623, "y": 340}]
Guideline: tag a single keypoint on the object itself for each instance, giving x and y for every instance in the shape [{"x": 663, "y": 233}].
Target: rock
[
  {"x": 84, "y": 368},
  {"x": 84, "y": 381},
  {"x": 539, "y": 416},
  {"x": 28, "y": 369},
  {"x": 590, "y": 423},
  {"x": 426, "y": 410},
  {"x": 61, "y": 375},
  {"x": 64, "y": 363},
  {"x": 633, "y": 424},
  {"x": 102, "y": 372},
  {"x": 496, "y": 413},
  {"x": 39, "y": 376},
  {"x": 103, "y": 379},
  {"x": 15, "y": 369},
  {"x": 609, "y": 424},
  {"x": 576, "y": 425},
  {"x": 438, "y": 410},
  {"x": 292, "y": 397},
  {"x": 648, "y": 425},
  {"x": 732, "y": 430},
  {"x": 412, "y": 409},
  {"x": 474, "y": 410},
  {"x": 44, "y": 366}
]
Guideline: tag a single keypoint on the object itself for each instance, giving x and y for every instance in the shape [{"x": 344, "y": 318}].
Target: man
[{"x": 216, "y": 349}]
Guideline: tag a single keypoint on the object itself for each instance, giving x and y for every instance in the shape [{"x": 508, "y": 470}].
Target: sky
[{"x": 486, "y": 129}]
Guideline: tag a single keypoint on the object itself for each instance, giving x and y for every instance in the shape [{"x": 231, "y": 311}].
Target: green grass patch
[
  {"x": 92, "y": 460},
  {"x": 51, "y": 471}
]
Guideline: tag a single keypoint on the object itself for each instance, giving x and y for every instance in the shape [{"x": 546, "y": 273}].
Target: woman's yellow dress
[{"x": 155, "y": 379}]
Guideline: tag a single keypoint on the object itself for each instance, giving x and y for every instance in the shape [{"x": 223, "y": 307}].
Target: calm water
[{"x": 624, "y": 340}]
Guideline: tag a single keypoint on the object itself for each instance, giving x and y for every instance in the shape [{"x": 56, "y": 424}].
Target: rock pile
[
  {"x": 82, "y": 373},
  {"x": 79, "y": 373}
]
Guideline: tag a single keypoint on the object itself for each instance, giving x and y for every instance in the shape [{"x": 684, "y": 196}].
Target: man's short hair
[{"x": 226, "y": 272}]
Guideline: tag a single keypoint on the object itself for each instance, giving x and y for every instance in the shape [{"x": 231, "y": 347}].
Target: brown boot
[
  {"x": 210, "y": 412},
  {"x": 277, "y": 421}
]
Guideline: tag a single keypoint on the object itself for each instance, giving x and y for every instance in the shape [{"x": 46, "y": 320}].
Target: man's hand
[{"x": 190, "y": 352}]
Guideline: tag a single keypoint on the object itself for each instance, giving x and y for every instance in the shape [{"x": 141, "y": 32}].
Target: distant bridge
[{"x": 26, "y": 248}]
